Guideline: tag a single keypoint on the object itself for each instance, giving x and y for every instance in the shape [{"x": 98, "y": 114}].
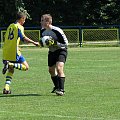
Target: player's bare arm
[{"x": 31, "y": 41}]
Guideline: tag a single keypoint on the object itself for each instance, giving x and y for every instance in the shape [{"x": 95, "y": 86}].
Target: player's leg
[
  {"x": 60, "y": 70},
  {"x": 20, "y": 64},
  {"x": 26, "y": 66},
  {"x": 54, "y": 77},
  {"x": 61, "y": 77},
  {"x": 52, "y": 71},
  {"x": 9, "y": 76},
  {"x": 5, "y": 62}
]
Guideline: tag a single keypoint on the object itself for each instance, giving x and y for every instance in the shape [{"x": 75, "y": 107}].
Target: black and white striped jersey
[{"x": 57, "y": 34}]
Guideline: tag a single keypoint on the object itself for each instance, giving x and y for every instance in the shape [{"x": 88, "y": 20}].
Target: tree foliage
[{"x": 64, "y": 12}]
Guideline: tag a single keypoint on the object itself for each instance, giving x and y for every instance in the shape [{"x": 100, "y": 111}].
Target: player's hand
[
  {"x": 49, "y": 42},
  {"x": 55, "y": 43},
  {"x": 36, "y": 43}
]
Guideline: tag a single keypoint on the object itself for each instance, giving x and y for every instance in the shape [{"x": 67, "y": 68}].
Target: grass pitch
[{"x": 92, "y": 87}]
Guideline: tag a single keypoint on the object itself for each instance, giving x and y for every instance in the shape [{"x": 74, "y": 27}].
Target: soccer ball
[{"x": 44, "y": 38}]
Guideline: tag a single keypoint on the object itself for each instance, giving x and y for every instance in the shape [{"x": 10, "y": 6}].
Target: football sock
[
  {"x": 18, "y": 66},
  {"x": 55, "y": 81},
  {"x": 8, "y": 80},
  {"x": 61, "y": 83}
]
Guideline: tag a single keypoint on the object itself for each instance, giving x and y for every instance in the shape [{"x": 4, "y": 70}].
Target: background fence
[{"x": 78, "y": 35}]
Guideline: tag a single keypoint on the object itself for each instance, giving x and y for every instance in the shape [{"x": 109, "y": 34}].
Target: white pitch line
[{"x": 57, "y": 116}]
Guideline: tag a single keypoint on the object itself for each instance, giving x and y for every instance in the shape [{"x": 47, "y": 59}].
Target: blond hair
[{"x": 47, "y": 17}]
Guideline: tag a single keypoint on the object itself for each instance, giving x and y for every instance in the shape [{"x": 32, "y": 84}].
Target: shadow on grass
[{"x": 18, "y": 95}]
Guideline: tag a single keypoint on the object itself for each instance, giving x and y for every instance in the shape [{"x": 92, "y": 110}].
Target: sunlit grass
[{"x": 92, "y": 87}]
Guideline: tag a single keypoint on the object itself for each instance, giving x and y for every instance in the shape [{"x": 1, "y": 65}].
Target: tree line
[{"x": 64, "y": 12}]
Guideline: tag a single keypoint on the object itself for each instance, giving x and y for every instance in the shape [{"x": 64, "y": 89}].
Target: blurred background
[
  {"x": 64, "y": 12},
  {"x": 85, "y": 22}
]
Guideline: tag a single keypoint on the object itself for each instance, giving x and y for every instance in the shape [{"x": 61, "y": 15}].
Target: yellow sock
[
  {"x": 7, "y": 87},
  {"x": 11, "y": 64},
  {"x": 9, "y": 74},
  {"x": 23, "y": 67},
  {"x": 8, "y": 80}
]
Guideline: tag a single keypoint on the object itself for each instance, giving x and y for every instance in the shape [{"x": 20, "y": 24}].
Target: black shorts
[{"x": 59, "y": 55}]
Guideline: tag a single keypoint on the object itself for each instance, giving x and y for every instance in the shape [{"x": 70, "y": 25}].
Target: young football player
[
  {"x": 12, "y": 57},
  {"x": 57, "y": 53}
]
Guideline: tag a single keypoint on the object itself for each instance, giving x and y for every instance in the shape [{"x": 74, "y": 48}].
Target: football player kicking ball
[
  {"x": 12, "y": 57},
  {"x": 57, "y": 52}
]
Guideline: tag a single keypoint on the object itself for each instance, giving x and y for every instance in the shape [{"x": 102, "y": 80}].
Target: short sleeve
[{"x": 20, "y": 35}]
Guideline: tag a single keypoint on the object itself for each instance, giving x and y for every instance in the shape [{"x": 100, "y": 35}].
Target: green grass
[{"x": 92, "y": 87}]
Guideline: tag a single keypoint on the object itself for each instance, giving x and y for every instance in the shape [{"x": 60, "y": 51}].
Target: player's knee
[
  {"x": 51, "y": 71},
  {"x": 60, "y": 70},
  {"x": 11, "y": 70},
  {"x": 27, "y": 67}
]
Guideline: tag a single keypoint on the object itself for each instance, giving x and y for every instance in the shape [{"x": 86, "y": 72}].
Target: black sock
[
  {"x": 55, "y": 80},
  {"x": 61, "y": 83}
]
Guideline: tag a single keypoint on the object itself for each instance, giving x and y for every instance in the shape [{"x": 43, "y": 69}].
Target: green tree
[
  {"x": 8, "y": 10},
  {"x": 64, "y": 12},
  {"x": 101, "y": 12}
]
